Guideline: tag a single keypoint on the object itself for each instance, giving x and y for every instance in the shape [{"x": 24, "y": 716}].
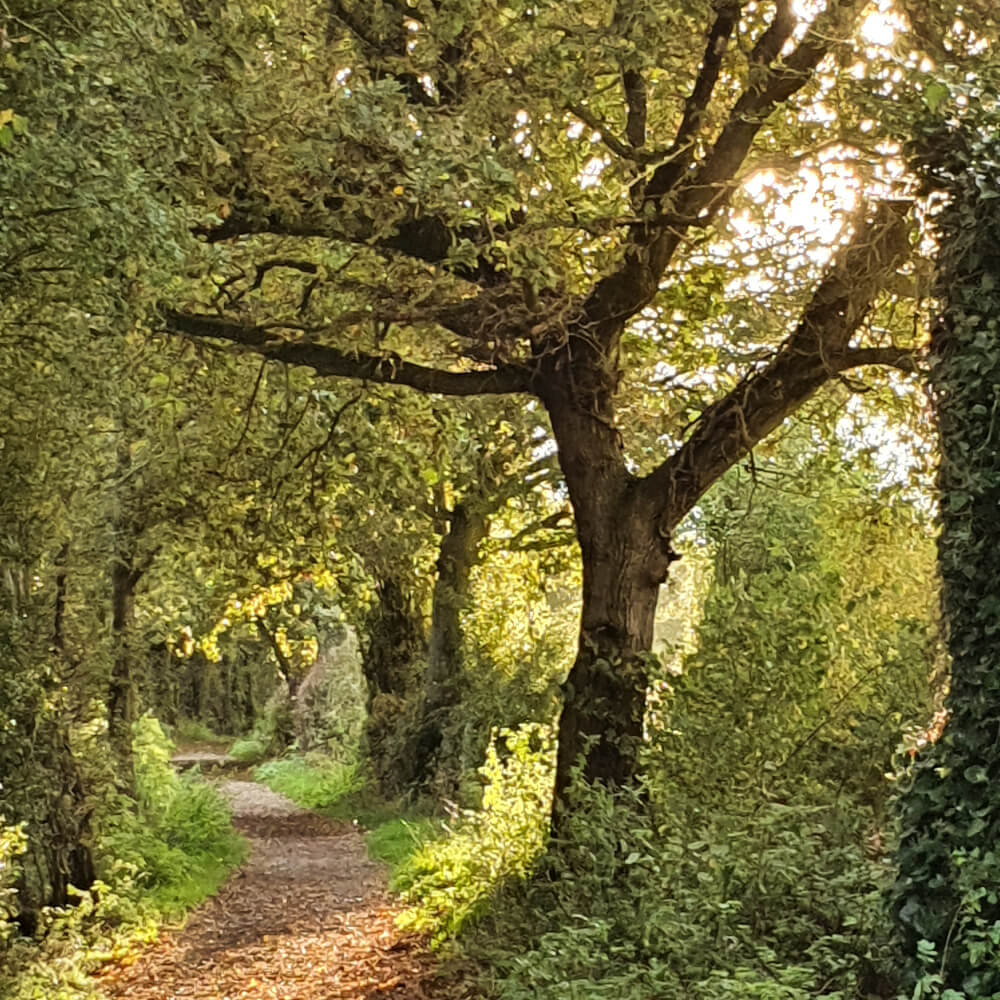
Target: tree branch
[
  {"x": 329, "y": 361},
  {"x": 902, "y": 358},
  {"x": 635, "y": 102},
  {"x": 620, "y": 295},
  {"x": 619, "y": 148},
  {"x": 427, "y": 239},
  {"x": 814, "y": 353},
  {"x": 681, "y": 152}
]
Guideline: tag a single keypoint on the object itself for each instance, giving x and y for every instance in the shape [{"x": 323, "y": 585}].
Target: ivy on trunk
[{"x": 949, "y": 814}]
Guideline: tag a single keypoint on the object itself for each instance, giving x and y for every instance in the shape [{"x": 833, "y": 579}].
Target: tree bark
[
  {"x": 394, "y": 649},
  {"x": 121, "y": 686},
  {"x": 442, "y": 680},
  {"x": 625, "y": 559}
]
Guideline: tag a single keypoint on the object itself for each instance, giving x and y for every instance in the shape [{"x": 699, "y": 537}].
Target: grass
[
  {"x": 188, "y": 731},
  {"x": 312, "y": 783},
  {"x": 203, "y": 878},
  {"x": 395, "y": 841},
  {"x": 338, "y": 791}
]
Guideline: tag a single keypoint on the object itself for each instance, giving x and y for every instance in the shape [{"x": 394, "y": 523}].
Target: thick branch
[
  {"x": 815, "y": 352},
  {"x": 635, "y": 102},
  {"x": 679, "y": 156},
  {"x": 902, "y": 358},
  {"x": 696, "y": 201},
  {"x": 385, "y": 369},
  {"x": 428, "y": 239}
]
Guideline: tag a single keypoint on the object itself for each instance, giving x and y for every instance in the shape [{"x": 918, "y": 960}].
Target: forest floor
[{"x": 307, "y": 917}]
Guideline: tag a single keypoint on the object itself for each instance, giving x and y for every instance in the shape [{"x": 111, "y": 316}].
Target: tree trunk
[
  {"x": 121, "y": 687},
  {"x": 625, "y": 559},
  {"x": 395, "y": 647},
  {"x": 442, "y": 681},
  {"x": 948, "y": 810},
  {"x": 604, "y": 695}
]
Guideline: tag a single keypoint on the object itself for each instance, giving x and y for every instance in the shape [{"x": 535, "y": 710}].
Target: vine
[{"x": 947, "y": 894}]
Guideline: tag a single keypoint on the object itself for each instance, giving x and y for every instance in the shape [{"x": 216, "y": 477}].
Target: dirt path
[{"x": 306, "y": 918}]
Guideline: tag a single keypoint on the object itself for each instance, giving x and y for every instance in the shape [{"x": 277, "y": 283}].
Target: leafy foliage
[
  {"x": 452, "y": 880},
  {"x": 313, "y": 782},
  {"x": 817, "y": 644},
  {"x": 775, "y": 904},
  {"x": 945, "y": 897}
]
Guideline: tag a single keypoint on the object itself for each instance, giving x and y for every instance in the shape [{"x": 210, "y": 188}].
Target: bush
[
  {"x": 768, "y": 905},
  {"x": 158, "y": 856},
  {"x": 180, "y": 842},
  {"x": 249, "y": 750},
  {"x": 313, "y": 782},
  {"x": 13, "y": 844},
  {"x": 195, "y": 731},
  {"x": 449, "y": 881}
]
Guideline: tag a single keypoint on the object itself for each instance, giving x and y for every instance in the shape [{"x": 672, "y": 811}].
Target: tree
[
  {"x": 944, "y": 897},
  {"x": 497, "y": 234}
]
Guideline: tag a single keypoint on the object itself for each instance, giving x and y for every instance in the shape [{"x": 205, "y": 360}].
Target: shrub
[
  {"x": 313, "y": 782},
  {"x": 13, "y": 844},
  {"x": 767, "y": 905},
  {"x": 159, "y": 856},
  {"x": 249, "y": 750},
  {"x": 179, "y": 843},
  {"x": 195, "y": 731},
  {"x": 449, "y": 881}
]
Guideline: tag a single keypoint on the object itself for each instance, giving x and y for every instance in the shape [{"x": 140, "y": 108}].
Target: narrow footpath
[{"x": 307, "y": 917}]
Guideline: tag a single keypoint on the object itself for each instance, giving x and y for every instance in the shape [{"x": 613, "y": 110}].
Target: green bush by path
[
  {"x": 248, "y": 751},
  {"x": 313, "y": 783},
  {"x": 451, "y": 880},
  {"x": 762, "y": 899}
]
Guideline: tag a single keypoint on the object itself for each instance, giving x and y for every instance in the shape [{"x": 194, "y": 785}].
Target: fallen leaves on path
[{"x": 307, "y": 918}]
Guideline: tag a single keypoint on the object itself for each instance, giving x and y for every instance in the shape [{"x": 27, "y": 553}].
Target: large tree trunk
[
  {"x": 625, "y": 559},
  {"x": 604, "y": 696},
  {"x": 442, "y": 680},
  {"x": 948, "y": 809}
]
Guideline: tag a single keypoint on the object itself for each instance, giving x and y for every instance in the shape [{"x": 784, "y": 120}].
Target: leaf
[{"x": 935, "y": 94}]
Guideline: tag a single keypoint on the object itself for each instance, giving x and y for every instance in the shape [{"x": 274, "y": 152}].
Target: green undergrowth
[
  {"x": 188, "y": 731},
  {"x": 313, "y": 782},
  {"x": 776, "y": 902},
  {"x": 394, "y": 831},
  {"x": 248, "y": 751},
  {"x": 451, "y": 881},
  {"x": 641, "y": 897},
  {"x": 157, "y": 858}
]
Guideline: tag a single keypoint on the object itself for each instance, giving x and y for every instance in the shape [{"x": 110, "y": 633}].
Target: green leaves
[
  {"x": 935, "y": 94},
  {"x": 945, "y": 896}
]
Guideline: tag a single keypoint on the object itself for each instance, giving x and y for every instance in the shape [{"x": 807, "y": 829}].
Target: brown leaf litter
[{"x": 307, "y": 917}]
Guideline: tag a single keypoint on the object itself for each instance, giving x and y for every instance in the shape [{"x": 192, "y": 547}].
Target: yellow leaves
[
  {"x": 397, "y": 191},
  {"x": 7, "y": 116}
]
